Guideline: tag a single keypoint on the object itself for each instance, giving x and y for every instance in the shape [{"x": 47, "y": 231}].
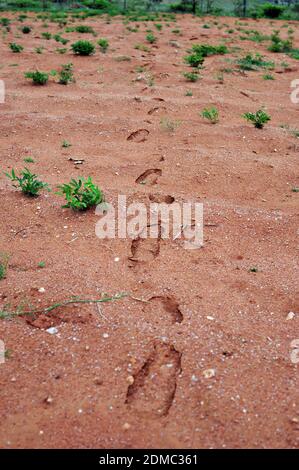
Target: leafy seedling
[
  {"x": 37, "y": 77},
  {"x": 4, "y": 259},
  {"x": 81, "y": 194},
  {"x": 27, "y": 182},
  {"x": 258, "y": 119},
  {"x": 211, "y": 114},
  {"x": 104, "y": 44},
  {"x": 15, "y": 47},
  {"x": 66, "y": 74}
]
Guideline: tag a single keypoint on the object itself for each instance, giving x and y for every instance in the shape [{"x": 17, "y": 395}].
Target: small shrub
[
  {"x": 37, "y": 77},
  {"x": 81, "y": 194},
  {"x": 60, "y": 39},
  {"x": 194, "y": 60},
  {"x": 268, "y": 76},
  {"x": 66, "y": 144},
  {"x": 66, "y": 74},
  {"x": 27, "y": 182},
  {"x": 280, "y": 45},
  {"x": 191, "y": 76},
  {"x": 258, "y": 119},
  {"x": 46, "y": 35},
  {"x": 104, "y": 44},
  {"x": 151, "y": 38},
  {"x": 211, "y": 114},
  {"x": 26, "y": 29},
  {"x": 206, "y": 50},
  {"x": 82, "y": 28},
  {"x": 15, "y": 47},
  {"x": 83, "y": 48},
  {"x": 39, "y": 50}
]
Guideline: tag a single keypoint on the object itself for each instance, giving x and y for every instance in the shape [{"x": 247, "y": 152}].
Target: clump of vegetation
[
  {"x": 65, "y": 144},
  {"x": 194, "y": 60},
  {"x": 104, "y": 44},
  {"x": 37, "y": 77},
  {"x": 206, "y": 50},
  {"x": 280, "y": 45},
  {"x": 81, "y": 194},
  {"x": 4, "y": 258},
  {"x": 169, "y": 124},
  {"x": 26, "y": 29},
  {"x": 258, "y": 119},
  {"x": 191, "y": 76},
  {"x": 151, "y": 38},
  {"x": 66, "y": 74},
  {"x": 268, "y": 76},
  {"x": 82, "y": 28},
  {"x": 59, "y": 38},
  {"x": 15, "y": 47},
  {"x": 211, "y": 114},
  {"x": 83, "y": 48},
  {"x": 27, "y": 182},
  {"x": 39, "y": 50},
  {"x": 254, "y": 62},
  {"x": 46, "y": 35}
]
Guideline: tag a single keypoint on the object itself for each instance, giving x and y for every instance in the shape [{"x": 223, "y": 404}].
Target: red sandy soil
[{"x": 132, "y": 374}]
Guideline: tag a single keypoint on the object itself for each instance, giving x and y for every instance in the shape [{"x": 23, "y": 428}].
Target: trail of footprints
[{"x": 153, "y": 390}]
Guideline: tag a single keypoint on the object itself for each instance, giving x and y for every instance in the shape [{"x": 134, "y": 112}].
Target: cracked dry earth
[{"x": 205, "y": 360}]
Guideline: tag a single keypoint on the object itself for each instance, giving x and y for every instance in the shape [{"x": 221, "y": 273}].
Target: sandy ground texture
[{"x": 198, "y": 355}]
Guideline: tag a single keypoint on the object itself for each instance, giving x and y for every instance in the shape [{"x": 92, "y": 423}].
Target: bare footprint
[
  {"x": 164, "y": 310},
  {"x": 144, "y": 249},
  {"x": 154, "y": 387},
  {"x": 138, "y": 136},
  {"x": 149, "y": 176}
]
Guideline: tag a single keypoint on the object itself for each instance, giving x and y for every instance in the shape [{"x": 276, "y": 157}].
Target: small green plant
[
  {"x": 280, "y": 45},
  {"x": 189, "y": 93},
  {"x": 39, "y": 50},
  {"x": 42, "y": 264},
  {"x": 151, "y": 38},
  {"x": 295, "y": 190},
  {"x": 83, "y": 48},
  {"x": 268, "y": 76},
  {"x": 81, "y": 194},
  {"x": 194, "y": 60},
  {"x": 258, "y": 119},
  {"x": 26, "y": 29},
  {"x": 66, "y": 74},
  {"x": 206, "y": 50},
  {"x": 254, "y": 62},
  {"x": 65, "y": 144},
  {"x": 254, "y": 269},
  {"x": 60, "y": 39},
  {"x": 211, "y": 114},
  {"x": 15, "y": 47},
  {"x": 37, "y": 77},
  {"x": 61, "y": 50},
  {"x": 82, "y": 28},
  {"x": 27, "y": 182},
  {"x": 4, "y": 259},
  {"x": 28, "y": 160},
  {"x": 191, "y": 76},
  {"x": 46, "y": 35},
  {"x": 104, "y": 44}
]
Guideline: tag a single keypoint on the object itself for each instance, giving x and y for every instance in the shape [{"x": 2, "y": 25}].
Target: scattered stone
[
  {"x": 209, "y": 373},
  {"x": 126, "y": 426},
  {"x": 130, "y": 379},
  {"x": 41, "y": 290},
  {"x": 290, "y": 316},
  {"x": 52, "y": 330}
]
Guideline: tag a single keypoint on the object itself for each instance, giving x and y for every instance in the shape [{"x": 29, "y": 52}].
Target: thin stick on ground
[{"x": 20, "y": 312}]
